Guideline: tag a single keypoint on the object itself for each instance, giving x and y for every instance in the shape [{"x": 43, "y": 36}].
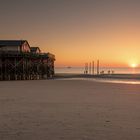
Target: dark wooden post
[
  {"x": 93, "y": 67},
  {"x": 97, "y": 67},
  {"x": 86, "y": 68},
  {"x": 90, "y": 68}
]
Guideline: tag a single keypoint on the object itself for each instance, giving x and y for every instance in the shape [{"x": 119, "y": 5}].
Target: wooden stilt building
[{"x": 19, "y": 61}]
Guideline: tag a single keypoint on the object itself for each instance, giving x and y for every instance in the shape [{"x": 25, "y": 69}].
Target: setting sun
[{"x": 134, "y": 65}]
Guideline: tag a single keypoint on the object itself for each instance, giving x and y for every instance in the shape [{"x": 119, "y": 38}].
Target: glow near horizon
[{"x": 77, "y": 31}]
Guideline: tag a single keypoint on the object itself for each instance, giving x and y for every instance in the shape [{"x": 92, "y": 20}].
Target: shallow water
[
  {"x": 119, "y": 81},
  {"x": 80, "y": 70}
]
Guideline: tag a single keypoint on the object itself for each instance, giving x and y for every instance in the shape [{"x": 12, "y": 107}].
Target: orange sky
[
  {"x": 77, "y": 31},
  {"x": 117, "y": 47}
]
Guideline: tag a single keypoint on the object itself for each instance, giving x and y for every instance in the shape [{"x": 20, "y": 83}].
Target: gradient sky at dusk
[{"x": 76, "y": 31}]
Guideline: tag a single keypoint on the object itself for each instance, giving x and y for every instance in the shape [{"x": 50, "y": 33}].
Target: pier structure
[{"x": 19, "y": 61}]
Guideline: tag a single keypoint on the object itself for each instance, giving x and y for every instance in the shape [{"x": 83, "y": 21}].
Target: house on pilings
[{"x": 19, "y": 61}]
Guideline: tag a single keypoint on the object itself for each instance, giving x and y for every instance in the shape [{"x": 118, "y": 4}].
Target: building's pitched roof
[
  {"x": 48, "y": 55},
  {"x": 12, "y": 42},
  {"x": 34, "y": 49}
]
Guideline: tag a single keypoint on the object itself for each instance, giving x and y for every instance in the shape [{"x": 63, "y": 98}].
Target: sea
[{"x": 106, "y": 70}]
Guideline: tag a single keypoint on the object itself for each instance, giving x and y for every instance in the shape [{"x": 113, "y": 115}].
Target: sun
[{"x": 134, "y": 65}]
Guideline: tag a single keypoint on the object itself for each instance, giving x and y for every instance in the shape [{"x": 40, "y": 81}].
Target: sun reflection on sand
[
  {"x": 116, "y": 81},
  {"x": 120, "y": 81}
]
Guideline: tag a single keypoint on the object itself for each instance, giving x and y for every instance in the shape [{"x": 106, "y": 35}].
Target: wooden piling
[
  {"x": 25, "y": 66},
  {"x": 98, "y": 65},
  {"x": 93, "y": 67},
  {"x": 90, "y": 68}
]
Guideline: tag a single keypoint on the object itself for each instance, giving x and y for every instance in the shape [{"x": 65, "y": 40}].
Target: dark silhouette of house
[
  {"x": 19, "y": 61},
  {"x": 14, "y": 45}
]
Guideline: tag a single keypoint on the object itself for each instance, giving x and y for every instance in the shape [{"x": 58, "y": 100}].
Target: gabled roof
[
  {"x": 48, "y": 55},
  {"x": 34, "y": 49},
  {"x": 12, "y": 42}
]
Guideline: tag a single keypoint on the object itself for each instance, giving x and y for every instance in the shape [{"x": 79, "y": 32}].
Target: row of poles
[{"x": 90, "y": 68}]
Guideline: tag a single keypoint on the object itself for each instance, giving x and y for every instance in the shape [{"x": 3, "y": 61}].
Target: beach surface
[{"x": 69, "y": 110}]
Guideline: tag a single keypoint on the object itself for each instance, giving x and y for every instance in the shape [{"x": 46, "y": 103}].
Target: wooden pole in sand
[
  {"x": 87, "y": 68},
  {"x": 93, "y": 67},
  {"x": 90, "y": 68},
  {"x": 97, "y": 67}
]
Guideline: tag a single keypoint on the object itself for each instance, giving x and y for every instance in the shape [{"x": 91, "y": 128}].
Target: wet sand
[
  {"x": 101, "y": 76},
  {"x": 69, "y": 110}
]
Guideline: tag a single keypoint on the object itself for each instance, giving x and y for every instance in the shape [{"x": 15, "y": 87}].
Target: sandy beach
[{"x": 69, "y": 110}]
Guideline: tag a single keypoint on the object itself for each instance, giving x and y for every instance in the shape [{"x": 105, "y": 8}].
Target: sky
[{"x": 76, "y": 31}]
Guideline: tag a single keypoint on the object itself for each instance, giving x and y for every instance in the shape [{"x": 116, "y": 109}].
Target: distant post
[
  {"x": 90, "y": 68},
  {"x": 93, "y": 67},
  {"x": 97, "y": 67},
  {"x": 86, "y": 68}
]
